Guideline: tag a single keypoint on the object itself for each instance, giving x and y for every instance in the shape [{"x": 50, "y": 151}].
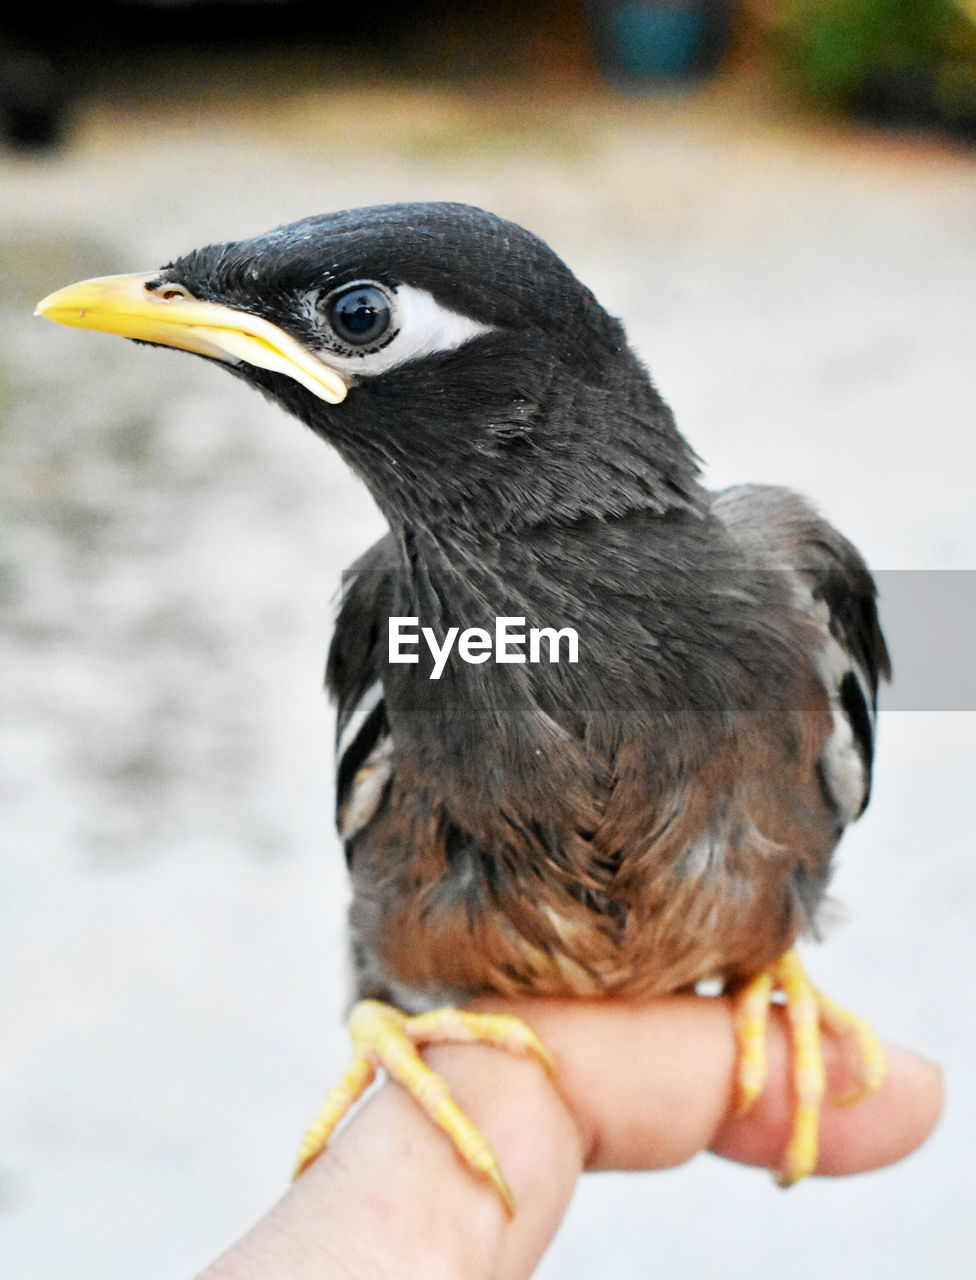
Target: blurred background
[{"x": 780, "y": 201}]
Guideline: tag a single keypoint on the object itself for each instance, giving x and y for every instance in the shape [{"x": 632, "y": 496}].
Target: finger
[
  {"x": 880, "y": 1129},
  {"x": 651, "y": 1083},
  {"x": 640, "y": 1086},
  {"x": 648, "y": 1083},
  {"x": 390, "y": 1197}
]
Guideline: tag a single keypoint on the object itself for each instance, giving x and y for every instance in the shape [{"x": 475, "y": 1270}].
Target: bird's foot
[
  {"x": 383, "y": 1036},
  {"x": 807, "y": 1010}
]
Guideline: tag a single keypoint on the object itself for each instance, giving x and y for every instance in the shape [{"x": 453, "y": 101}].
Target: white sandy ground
[{"x": 171, "y": 892}]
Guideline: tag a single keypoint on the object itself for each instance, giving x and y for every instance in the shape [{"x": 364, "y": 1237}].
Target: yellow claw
[
  {"x": 752, "y": 1015},
  {"x": 340, "y": 1098},
  {"x": 870, "y": 1057},
  {"x": 383, "y": 1036},
  {"x": 807, "y": 1010},
  {"x": 809, "y": 1077}
]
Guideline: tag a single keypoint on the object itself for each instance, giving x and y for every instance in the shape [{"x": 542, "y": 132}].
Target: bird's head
[{"x": 452, "y": 358}]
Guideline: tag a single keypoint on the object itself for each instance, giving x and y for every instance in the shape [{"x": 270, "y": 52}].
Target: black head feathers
[{"x": 453, "y": 359}]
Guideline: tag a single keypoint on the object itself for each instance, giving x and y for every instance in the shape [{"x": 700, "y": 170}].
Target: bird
[{"x": 599, "y": 728}]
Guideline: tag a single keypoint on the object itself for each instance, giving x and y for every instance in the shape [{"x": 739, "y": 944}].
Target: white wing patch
[
  {"x": 845, "y": 773},
  {"x": 360, "y": 713},
  {"x": 364, "y": 791}
]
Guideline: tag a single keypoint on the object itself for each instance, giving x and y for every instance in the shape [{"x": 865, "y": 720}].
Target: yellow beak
[{"x": 168, "y": 315}]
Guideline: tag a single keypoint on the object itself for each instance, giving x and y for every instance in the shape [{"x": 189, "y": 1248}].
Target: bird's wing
[
  {"x": 363, "y": 743},
  {"x": 831, "y": 585}
]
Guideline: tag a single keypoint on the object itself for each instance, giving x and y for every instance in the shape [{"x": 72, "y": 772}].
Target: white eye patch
[{"x": 420, "y": 326}]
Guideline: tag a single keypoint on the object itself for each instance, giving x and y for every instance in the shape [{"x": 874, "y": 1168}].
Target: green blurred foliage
[{"x": 832, "y": 48}]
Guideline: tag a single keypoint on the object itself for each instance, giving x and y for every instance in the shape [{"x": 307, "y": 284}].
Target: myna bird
[{"x": 599, "y": 729}]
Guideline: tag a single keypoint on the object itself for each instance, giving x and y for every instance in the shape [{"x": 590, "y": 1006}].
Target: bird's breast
[{"x": 642, "y": 882}]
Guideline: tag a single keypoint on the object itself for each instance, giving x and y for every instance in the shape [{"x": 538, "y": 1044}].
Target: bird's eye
[{"x": 361, "y": 314}]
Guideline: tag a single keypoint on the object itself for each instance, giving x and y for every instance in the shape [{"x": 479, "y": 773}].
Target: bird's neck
[
  {"x": 582, "y": 574},
  {"x": 528, "y": 448}
]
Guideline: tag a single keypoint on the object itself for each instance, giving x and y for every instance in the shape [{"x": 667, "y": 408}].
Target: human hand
[{"x": 640, "y": 1085}]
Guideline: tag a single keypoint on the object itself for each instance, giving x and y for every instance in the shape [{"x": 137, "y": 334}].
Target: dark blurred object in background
[
  {"x": 647, "y": 44},
  {"x": 33, "y": 96},
  {"x": 651, "y": 43},
  {"x": 47, "y": 64},
  {"x": 901, "y": 63},
  {"x": 897, "y": 63}
]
